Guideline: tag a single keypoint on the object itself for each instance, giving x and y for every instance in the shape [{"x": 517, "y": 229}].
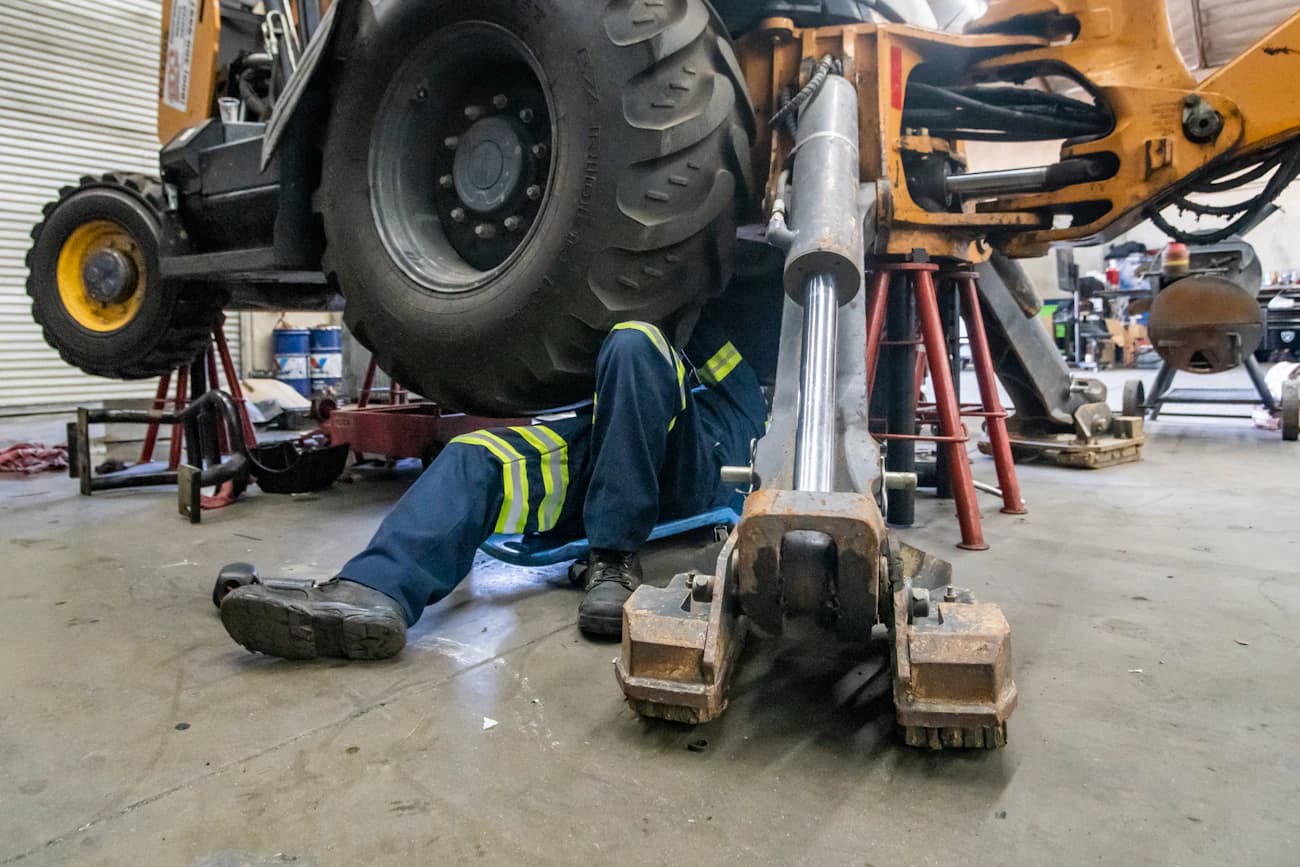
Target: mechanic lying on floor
[{"x": 649, "y": 449}]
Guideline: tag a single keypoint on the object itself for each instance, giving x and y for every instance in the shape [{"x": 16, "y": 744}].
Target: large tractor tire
[
  {"x": 96, "y": 288},
  {"x": 503, "y": 182}
]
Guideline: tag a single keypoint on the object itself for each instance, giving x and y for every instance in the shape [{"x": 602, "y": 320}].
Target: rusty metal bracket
[
  {"x": 841, "y": 594},
  {"x": 951, "y": 657},
  {"x": 680, "y": 644}
]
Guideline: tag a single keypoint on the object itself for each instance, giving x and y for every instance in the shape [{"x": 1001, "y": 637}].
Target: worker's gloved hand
[
  {"x": 304, "y": 620},
  {"x": 611, "y": 578}
]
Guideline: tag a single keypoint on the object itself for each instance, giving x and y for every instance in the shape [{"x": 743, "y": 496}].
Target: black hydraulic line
[
  {"x": 815, "y": 82},
  {"x": 1255, "y": 209},
  {"x": 1204, "y": 210},
  {"x": 956, "y": 111},
  {"x": 1002, "y": 97},
  {"x": 1052, "y": 105},
  {"x": 1231, "y": 183},
  {"x": 1027, "y": 128}
]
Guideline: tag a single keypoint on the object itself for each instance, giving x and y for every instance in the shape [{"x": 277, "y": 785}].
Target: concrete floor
[{"x": 1155, "y": 652}]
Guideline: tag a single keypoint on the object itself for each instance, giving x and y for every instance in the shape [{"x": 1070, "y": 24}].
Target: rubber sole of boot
[
  {"x": 266, "y": 623},
  {"x": 601, "y": 625}
]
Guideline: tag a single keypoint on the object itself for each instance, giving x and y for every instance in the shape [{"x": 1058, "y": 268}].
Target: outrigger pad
[{"x": 952, "y": 671}]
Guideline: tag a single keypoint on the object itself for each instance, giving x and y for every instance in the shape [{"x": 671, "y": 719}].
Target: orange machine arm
[{"x": 1121, "y": 52}]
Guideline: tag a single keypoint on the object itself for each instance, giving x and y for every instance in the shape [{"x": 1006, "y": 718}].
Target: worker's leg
[
  {"x": 426, "y": 544},
  {"x": 641, "y": 415},
  {"x": 640, "y": 398},
  {"x": 508, "y": 480}
]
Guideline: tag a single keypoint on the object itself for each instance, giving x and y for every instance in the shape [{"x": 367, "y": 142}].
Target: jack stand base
[{"x": 1121, "y": 445}]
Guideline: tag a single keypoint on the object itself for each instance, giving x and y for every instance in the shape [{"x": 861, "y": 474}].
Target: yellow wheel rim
[{"x": 85, "y": 241}]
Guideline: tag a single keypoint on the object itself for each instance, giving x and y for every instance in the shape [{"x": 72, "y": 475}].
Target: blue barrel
[
  {"x": 326, "y": 359},
  {"x": 291, "y": 347}
]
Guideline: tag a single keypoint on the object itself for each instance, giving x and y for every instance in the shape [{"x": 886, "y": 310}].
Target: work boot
[
  {"x": 300, "y": 619},
  {"x": 611, "y": 578}
]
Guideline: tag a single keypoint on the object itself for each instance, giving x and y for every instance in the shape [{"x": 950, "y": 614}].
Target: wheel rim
[
  {"x": 461, "y": 157},
  {"x": 100, "y": 276}
]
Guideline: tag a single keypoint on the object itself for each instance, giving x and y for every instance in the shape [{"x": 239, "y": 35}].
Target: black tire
[
  {"x": 637, "y": 189},
  {"x": 1135, "y": 395},
  {"x": 1291, "y": 411},
  {"x": 169, "y": 328}
]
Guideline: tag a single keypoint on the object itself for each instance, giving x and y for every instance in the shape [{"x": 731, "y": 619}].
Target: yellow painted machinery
[{"x": 487, "y": 187}]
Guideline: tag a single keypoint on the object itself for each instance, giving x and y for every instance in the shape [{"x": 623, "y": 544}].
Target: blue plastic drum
[
  {"x": 291, "y": 347},
  {"x": 326, "y": 359}
]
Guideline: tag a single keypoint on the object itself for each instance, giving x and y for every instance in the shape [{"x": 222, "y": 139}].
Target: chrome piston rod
[
  {"x": 814, "y": 449},
  {"x": 823, "y": 267}
]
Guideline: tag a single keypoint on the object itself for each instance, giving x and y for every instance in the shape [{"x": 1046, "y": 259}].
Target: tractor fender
[{"x": 310, "y": 68}]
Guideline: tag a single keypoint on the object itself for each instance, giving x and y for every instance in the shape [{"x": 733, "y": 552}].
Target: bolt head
[
  {"x": 485, "y": 231},
  {"x": 446, "y": 182},
  {"x": 534, "y": 192},
  {"x": 539, "y": 150},
  {"x": 513, "y": 224},
  {"x": 458, "y": 214},
  {"x": 451, "y": 142},
  {"x": 526, "y": 115},
  {"x": 500, "y": 101},
  {"x": 473, "y": 112}
]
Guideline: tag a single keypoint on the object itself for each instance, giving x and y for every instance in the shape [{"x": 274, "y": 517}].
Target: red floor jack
[
  {"x": 901, "y": 295},
  {"x": 402, "y": 428}
]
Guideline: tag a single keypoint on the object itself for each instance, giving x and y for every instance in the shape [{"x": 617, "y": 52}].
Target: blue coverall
[{"x": 648, "y": 449}]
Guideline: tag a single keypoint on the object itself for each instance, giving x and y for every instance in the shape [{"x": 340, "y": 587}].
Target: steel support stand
[
  {"x": 995, "y": 416},
  {"x": 900, "y": 393}
]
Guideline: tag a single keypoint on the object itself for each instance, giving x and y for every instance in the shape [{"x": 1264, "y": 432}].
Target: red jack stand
[
  {"x": 191, "y": 383},
  {"x": 990, "y": 406},
  {"x": 945, "y": 412}
]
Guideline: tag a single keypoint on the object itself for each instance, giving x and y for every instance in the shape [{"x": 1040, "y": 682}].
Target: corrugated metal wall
[
  {"x": 1230, "y": 26},
  {"x": 1227, "y": 27},
  {"x": 78, "y": 96}
]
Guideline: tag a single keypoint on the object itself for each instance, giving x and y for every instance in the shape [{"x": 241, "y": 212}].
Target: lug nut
[
  {"x": 446, "y": 182},
  {"x": 486, "y": 231},
  {"x": 458, "y": 214},
  {"x": 534, "y": 192},
  {"x": 526, "y": 115},
  {"x": 500, "y": 101},
  {"x": 451, "y": 142},
  {"x": 473, "y": 112},
  {"x": 539, "y": 150},
  {"x": 513, "y": 224}
]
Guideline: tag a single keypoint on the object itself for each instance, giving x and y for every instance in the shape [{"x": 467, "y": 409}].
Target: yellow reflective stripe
[
  {"x": 554, "y": 453},
  {"x": 665, "y": 349},
  {"x": 564, "y": 468},
  {"x": 656, "y": 337},
  {"x": 514, "y": 480},
  {"x": 681, "y": 382},
  {"x": 721, "y": 364}
]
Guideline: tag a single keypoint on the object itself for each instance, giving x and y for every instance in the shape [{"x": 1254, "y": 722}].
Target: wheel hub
[
  {"x": 101, "y": 276},
  {"x": 489, "y": 164},
  {"x": 477, "y": 148},
  {"x": 110, "y": 276}
]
